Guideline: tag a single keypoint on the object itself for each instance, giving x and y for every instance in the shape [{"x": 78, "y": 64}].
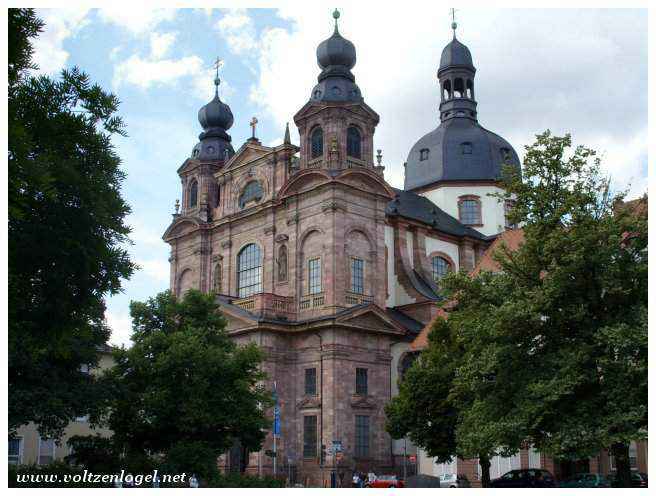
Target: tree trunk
[
  {"x": 484, "y": 462},
  {"x": 620, "y": 452}
]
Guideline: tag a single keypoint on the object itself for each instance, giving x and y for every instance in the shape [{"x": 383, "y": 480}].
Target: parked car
[
  {"x": 453, "y": 480},
  {"x": 530, "y": 477},
  {"x": 386, "y": 481},
  {"x": 638, "y": 479},
  {"x": 585, "y": 480}
]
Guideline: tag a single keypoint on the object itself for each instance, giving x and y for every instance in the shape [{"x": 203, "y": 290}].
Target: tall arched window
[
  {"x": 193, "y": 194},
  {"x": 440, "y": 266},
  {"x": 353, "y": 142},
  {"x": 317, "y": 142},
  {"x": 282, "y": 264},
  {"x": 249, "y": 271}
]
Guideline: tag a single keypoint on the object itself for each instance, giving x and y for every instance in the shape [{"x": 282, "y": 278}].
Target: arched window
[
  {"x": 249, "y": 271},
  {"x": 252, "y": 192},
  {"x": 470, "y": 89},
  {"x": 459, "y": 88},
  {"x": 218, "y": 274},
  {"x": 193, "y": 194},
  {"x": 317, "y": 142},
  {"x": 440, "y": 266},
  {"x": 469, "y": 209},
  {"x": 446, "y": 90},
  {"x": 282, "y": 264},
  {"x": 353, "y": 142}
]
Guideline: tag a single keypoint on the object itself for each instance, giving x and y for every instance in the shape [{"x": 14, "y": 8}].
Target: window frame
[
  {"x": 361, "y": 381},
  {"x": 424, "y": 154},
  {"x": 319, "y": 145},
  {"x": 310, "y": 373},
  {"x": 308, "y": 452},
  {"x": 362, "y": 448},
  {"x": 447, "y": 264},
  {"x": 244, "y": 290},
  {"x": 192, "y": 202},
  {"x": 19, "y": 456},
  {"x": 314, "y": 283},
  {"x": 254, "y": 195},
  {"x": 478, "y": 221},
  {"x": 353, "y": 145},
  {"x": 38, "y": 452},
  {"x": 357, "y": 276}
]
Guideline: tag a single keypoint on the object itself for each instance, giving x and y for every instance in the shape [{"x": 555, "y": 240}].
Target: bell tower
[{"x": 336, "y": 127}]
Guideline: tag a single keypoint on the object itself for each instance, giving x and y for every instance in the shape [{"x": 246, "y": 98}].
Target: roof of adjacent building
[
  {"x": 511, "y": 238},
  {"x": 417, "y": 207}
]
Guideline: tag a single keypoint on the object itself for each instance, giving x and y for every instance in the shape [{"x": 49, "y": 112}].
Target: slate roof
[
  {"x": 459, "y": 149},
  {"x": 413, "y": 326},
  {"x": 420, "y": 208}
]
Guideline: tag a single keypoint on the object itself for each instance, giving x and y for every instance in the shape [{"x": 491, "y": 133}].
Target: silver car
[{"x": 453, "y": 480}]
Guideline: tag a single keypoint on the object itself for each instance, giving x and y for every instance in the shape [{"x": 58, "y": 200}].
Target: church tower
[
  {"x": 336, "y": 127},
  {"x": 459, "y": 164}
]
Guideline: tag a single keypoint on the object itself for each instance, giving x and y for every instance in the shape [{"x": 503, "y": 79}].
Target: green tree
[
  {"x": 67, "y": 233},
  {"x": 560, "y": 333},
  {"x": 430, "y": 407},
  {"x": 184, "y": 385}
]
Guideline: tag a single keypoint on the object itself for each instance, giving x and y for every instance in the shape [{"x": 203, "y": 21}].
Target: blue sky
[{"x": 578, "y": 71}]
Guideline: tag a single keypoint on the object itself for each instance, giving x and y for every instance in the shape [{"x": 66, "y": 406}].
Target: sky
[{"x": 574, "y": 71}]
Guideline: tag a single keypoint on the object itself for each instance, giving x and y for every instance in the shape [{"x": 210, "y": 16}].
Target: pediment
[
  {"x": 362, "y": 403},
  {"x": 373, "y": 318},
  {"x": 303, "y": 181},
  {"x": 367, "y": 180},
  {"x": 308, "y": 402},
  {"x": 180, "y": 227},
  {"x": 246, "y": 154},
  {"x": 236, "y": 319}
]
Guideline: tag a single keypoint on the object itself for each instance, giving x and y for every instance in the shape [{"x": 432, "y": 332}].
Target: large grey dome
[{"x": 458, "y": 150}]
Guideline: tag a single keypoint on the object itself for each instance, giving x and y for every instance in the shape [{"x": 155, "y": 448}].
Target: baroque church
[{"x": 330, "y": 270}]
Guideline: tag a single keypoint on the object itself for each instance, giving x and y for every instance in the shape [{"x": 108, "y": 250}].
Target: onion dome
[
  {"x": 336, "y": 57},
  {"x": 455, "y": 54},
  {"x": 216, "y": 118}
]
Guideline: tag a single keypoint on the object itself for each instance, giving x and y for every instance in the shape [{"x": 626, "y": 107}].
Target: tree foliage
[
  {"x": 67, "y": 233},
  {"x": 184, "y": 384},
  {"x": 554, "y": 345}
]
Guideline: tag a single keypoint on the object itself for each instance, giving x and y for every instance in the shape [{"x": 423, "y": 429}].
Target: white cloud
[
  {"x": 238, "y": 29},
  {"x": 160, "y": 43},
  {"x": 145, "y": 72},
  {"x": 121, "y": 325},
  {"x": 136, "y": 19},
  {"x": 157, "y": 269},
  {"x": 60, "y": 24},
  {"x": 555, "y": 68}
]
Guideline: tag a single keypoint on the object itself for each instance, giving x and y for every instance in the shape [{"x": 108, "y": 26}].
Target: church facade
[{"x": 333, "y": 272}]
